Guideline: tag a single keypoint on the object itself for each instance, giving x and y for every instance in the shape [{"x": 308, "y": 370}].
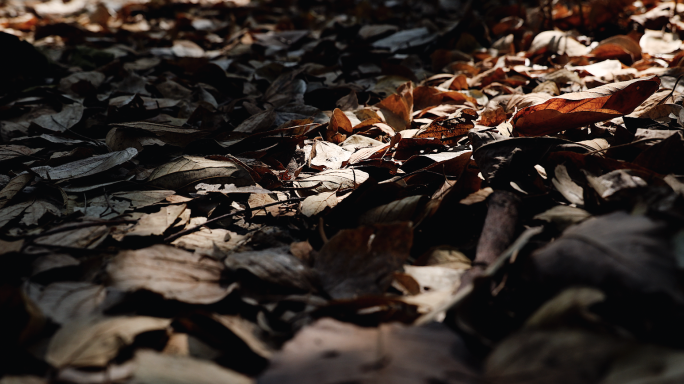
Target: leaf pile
[{"x": 325, "y": 192}]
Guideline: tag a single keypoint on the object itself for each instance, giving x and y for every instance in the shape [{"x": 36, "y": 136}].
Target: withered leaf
[
  {"x": 574, "y": 110},
  {"x": 186, "y": 171},
  {"x": 273, "y": 265},
  {"x": 86, "y": 167},
  {"x": 174, "y": 273},
  {"x": 94, "y": 341},
  {"x": 66, "y": 301},
  {"x": 361, "y": 261},
  {"x": 342, "y": 352},
  {"x": 332, "y": 180},
  {"x": 156, "y": 368}
]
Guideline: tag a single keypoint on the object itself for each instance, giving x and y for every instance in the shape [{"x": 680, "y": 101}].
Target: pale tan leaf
[
  {"x": 157, "y": 223},
  {"x": 316, "y": 204},
  {"x": 155, "y": 368},
  {"x": 332, "y": 180},
  {"x": 174, "y": 273},
  {"x": 93, "y": 341}
]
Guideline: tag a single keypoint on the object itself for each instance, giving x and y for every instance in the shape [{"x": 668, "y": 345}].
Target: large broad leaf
[{"x": 575, "y": 110}]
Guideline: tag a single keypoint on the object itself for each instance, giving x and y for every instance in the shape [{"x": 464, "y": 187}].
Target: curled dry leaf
[
  {"x": 575, "y": 110},
  {"x": 174, "y": 273},
  {"x": 94, "y": 341}
]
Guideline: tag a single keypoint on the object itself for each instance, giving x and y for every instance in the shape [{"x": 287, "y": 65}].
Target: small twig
[
  {"x": 673, "y": 90},
  {"x": 227, "y": 215}
]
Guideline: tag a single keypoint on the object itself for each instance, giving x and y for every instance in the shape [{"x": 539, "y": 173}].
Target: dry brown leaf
[
  {"x": 66, "y": 301},
  {"x": 332, "y": 180},
  {"x": 575, "y": 110},
  {"x": 94, "y": 341},
  {"x": 361, "y": 261},
  {"x": 86, "y": 167},
  {"x": 316, "y": 204},
  {"x": 15, "y": 185},
  {"x": 398, "y": 108},
  {"x": 186, "y": 171},
  {"x": 556, "y": 42},
  {"x": 339, "y": 352},
  {"x": 339, "y": 127},
  {"x": 157, "y": 223},
  {"x": 156, "y": 368},
  {"x": 171, "y": 272},
  {"x": 618, "y": 47},
  {"x": 450, "y": 127},
  {"x": 275, "y": 266}
]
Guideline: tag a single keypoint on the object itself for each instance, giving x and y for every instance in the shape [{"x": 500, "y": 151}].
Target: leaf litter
[{"x": 325, "y": 192}]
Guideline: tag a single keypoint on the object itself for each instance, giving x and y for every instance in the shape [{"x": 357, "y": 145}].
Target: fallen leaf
[
  {"x": 171, "y": 272},
  {"x": 575, "y": 110},
  {"x": 93, "y": 341},
  {"x": 342, "y": 352},
  {"x": 361, "y": 261}
]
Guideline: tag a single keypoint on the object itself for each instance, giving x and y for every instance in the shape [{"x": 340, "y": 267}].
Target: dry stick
[
  {"x": 227, "y": 215},
  {"x": 498, "y": 232},
  {"x": 499, "y": 227}
]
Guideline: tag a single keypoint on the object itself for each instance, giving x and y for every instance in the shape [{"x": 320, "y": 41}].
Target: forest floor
[{"x": 345, "y": 191}]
